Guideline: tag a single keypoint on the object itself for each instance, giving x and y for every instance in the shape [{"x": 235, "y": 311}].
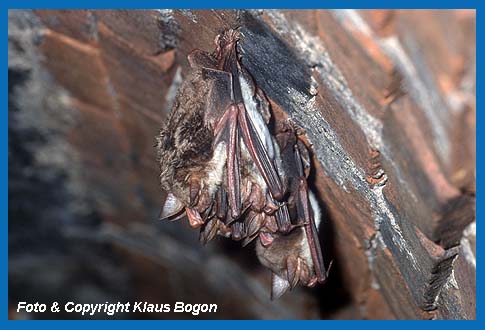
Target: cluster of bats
[{"x": 230, "y": 175}]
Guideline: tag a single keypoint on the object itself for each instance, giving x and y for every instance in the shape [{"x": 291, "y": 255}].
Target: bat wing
[
  {"x": 305, "y": 209},
  {"x": 220, "y": 95}
]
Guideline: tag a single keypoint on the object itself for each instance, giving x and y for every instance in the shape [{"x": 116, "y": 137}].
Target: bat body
[{"x": 224, "y": 169}]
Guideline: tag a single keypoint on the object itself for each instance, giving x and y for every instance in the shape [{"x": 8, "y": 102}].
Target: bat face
[{"x": 230, "y": 175}]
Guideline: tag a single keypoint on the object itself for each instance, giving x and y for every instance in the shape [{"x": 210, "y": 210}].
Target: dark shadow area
[{"x": 332, "y": 295}]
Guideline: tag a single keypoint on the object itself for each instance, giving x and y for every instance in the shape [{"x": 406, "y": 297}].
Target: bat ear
[
  {"x": 201, "y": 59},
  {"x": 171, "y": 208},
  {"x": 278, "y": 286}
]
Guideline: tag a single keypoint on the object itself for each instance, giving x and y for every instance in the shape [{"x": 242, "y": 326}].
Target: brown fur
[{"x": 185, "y": 142}]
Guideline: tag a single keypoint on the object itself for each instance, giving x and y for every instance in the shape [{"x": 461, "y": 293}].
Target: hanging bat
[{"x": 224, "y": 169}]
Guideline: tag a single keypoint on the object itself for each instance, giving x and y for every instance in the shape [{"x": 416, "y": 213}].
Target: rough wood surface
[{"x": 386, "y": 99}]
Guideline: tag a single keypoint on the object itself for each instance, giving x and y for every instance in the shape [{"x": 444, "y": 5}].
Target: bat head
[{"x": 289, "y": 259}]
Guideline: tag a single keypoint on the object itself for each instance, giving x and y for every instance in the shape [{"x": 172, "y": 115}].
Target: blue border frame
[{"x": 5, "y": 5}]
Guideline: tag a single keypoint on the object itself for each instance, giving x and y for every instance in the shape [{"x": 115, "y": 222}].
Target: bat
[{"x": 230, "y": 175}]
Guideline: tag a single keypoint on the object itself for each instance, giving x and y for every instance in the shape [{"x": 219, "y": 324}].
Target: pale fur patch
[
  {"x": 254, "y": 172},
  {"x": 256, "y": 118},
  {"x": 304, "y": 248},
  {"x": 305, "y": 252},
  {"x": 216, "y": 168},
  {"x": 317, "y": 213}
]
